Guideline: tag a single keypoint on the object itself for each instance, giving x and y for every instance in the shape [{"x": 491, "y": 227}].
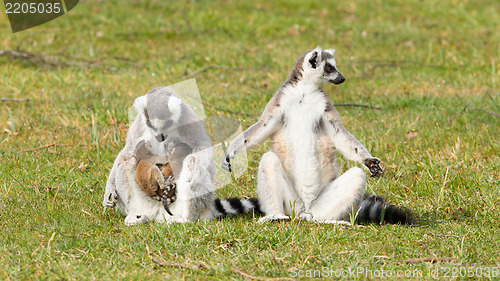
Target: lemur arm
[
  {"x": 347, "y": 144},
  {"x": 270, "y": 121}
]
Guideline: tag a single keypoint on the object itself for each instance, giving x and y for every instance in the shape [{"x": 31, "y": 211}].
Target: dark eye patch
[
  {"x": 329, "y": 68},
  {"x": 148, "y": 123},
  {"x": 167, "y": 125}
]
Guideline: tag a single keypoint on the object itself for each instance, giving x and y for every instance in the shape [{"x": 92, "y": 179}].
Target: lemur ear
[
  {"x": 330, "y": 51},
  {"x": 174, "y": 103},
  {"x": 314, "y": 60},
  {"x": 140, "y": 149}
]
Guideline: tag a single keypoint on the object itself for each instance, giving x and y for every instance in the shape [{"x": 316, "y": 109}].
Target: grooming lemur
[
  {"x": 300, "y": 174},
  {"x": 163, "y": 124}
]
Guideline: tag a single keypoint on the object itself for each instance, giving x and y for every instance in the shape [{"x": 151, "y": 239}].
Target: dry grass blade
[
  {"x": 15, "y": 99},
  {"x": 53, "y": 60},
  {"x": 160, "y": 262},
  {"x": 427, "y": 259},
  {"x": 49, "y": 145},
  {"x": 246, "y": 275},
  {"x": 470, "y": 107}
]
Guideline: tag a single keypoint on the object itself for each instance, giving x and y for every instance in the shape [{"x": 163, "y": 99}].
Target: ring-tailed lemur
[
  {"x": 164, "y": 122},
  {"x": 299, "y": 173}
]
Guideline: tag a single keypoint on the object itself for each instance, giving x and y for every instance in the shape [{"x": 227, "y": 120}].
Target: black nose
[
  {"x": 161, "y": 137},
  {"x": 339, "y": 80}
]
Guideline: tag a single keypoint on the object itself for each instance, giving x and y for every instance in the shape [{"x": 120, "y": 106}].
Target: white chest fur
[{"x": 303, "y": 107}]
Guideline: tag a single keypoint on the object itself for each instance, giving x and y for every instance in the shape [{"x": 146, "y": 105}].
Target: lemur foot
[
  {"x": 271, "y": 218},
  {"x": 306, "y": 216},
  {"x": 373, "y": 165},
  {"x": 136, "y": 219}
]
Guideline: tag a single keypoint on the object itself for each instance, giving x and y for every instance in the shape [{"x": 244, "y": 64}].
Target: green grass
[{"x": 421, "y": 62}]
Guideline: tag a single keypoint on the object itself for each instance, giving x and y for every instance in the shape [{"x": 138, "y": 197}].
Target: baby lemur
[
  {"x": 300, "y": 173},
  {"x": 155, "y": 173}
]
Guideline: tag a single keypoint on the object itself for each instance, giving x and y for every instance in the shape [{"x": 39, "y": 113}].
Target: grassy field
[{"x": 420, "y": 62}]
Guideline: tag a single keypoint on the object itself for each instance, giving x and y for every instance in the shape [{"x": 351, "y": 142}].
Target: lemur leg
[
  {"x": 110, "y": 194},
  {"x": 131, "y": 200},
  {"x": 336, "y": 201},
  {"x": 195, "y": 190},
  {"x": 276, "y": 195},
  {"x": 140, "y": 207}
]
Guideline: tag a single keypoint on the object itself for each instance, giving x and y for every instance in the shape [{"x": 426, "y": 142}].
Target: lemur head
[
  {"x": 161, "y": 109},
  {"x": 318, "y": 66}
]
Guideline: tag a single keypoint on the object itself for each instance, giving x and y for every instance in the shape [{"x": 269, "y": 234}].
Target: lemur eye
[{"x": 148, "y": 123}]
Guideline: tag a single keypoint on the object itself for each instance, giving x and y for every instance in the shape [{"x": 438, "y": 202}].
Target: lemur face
[
  {"x": 158, "y": 127},
  {"x": 163, "y": 111},
  {"x": 321, "y": 67}
]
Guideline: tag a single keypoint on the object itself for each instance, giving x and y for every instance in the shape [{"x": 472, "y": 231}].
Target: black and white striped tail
[
  {"x": 375, "y": 209},
  {"x": 233, "y": 206}
]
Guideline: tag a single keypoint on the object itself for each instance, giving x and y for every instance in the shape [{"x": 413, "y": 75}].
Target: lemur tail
[
  {"x": 232, "y": 206},
  {"x": 375, "y": 209}
]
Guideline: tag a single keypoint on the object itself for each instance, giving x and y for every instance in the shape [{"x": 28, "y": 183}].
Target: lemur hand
[
  {"x": 373, "y": 165},
  {"x": 110, "y": 198},
  {"x": 226, "y": 165}
]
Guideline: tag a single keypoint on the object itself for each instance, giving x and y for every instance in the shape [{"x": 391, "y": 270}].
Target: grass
[{"x": 421, "y": 62}]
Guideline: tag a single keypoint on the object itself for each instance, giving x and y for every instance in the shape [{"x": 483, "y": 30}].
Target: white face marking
[
  {"x": 156, "y": 124},
  {"x": 332, "y": 62}
]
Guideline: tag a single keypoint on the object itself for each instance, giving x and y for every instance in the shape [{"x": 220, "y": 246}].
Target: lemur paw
[
  {"x": 110, "y": 198},
  {"x": 167, "y": 184},
  {"x": 272, "y": 218},
  {"x": 226, "y": 162},
  {"x": 136, "y": 219},
  {"x": 306, "y": 216},
  {"x": 373, "y": 165},
  {"x": 170, "y": 181}
]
